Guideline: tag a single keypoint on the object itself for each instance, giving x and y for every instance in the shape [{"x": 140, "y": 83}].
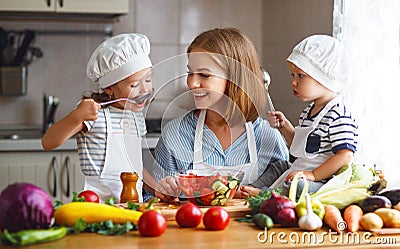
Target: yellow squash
[{"x": 91, "y": 212}]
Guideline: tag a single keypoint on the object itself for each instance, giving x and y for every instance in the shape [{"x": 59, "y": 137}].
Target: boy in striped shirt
[{"x": 325, "y": 138}]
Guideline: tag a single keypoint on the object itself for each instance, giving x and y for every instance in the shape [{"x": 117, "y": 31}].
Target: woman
[{"x": 225, "y": 130}]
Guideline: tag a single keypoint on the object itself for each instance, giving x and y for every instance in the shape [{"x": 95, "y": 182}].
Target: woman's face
[
  {"x": 206, "y": 79},
  {"x": 137, "y": 84}
]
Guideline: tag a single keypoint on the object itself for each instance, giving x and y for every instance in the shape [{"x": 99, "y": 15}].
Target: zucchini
[
  {"x": 91, "y": 212},
  {"x": 228, "y": 193}
]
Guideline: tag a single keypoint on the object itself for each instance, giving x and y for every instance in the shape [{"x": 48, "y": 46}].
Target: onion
[
  {"x": 273, "y": 205},
  {"x": 24, "y": 206}
]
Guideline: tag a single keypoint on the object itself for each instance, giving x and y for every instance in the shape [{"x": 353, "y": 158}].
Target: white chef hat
[
  {"x": 324, "y": 58},
  {"x": 117, "y": 58}
]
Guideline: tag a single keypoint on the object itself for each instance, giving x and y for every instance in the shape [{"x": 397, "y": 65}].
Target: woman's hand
[
  {"x": 247, "y": 191},
  {"x": 168, "y": 189}
]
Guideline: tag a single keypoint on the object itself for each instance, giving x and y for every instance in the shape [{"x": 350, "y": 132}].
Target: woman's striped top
[{"x": 174, "y": 150}]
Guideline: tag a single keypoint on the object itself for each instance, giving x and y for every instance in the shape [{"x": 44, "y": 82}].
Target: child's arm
[
  {"x": 328, "y": 168},
  {"x": 277, "y": 120},
  {"x": 61, "y": 131}
]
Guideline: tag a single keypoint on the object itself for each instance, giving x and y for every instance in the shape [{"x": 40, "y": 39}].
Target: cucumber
[
  {"x": 214, "y": 202},
  {"x": 233, "y": 184},
  {"x": 218, "y": 186},
  {"x": 223, "y": 201},
  {"x": 228, "y": 193}
]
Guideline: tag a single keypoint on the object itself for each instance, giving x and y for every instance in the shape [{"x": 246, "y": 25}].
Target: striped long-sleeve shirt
[
  {"x": 174, "y": 151},
  {"x": 92, "y": 144}
]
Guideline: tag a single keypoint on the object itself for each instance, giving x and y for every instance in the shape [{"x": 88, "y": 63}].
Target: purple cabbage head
[{"x": 24, "y": 206}]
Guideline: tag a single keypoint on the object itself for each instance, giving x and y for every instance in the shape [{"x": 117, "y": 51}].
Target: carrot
[
  {"x": 333, "y": 218},
  {"x": 352, "y": 215}
]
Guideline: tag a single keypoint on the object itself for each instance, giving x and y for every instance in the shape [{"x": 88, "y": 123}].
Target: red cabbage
[{"x": 24, "y": 206}]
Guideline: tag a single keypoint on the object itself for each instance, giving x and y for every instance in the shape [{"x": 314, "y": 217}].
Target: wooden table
[{"x": 236, "y": 235}]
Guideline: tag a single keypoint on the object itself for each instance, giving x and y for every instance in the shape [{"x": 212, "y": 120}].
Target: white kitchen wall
[{"x": 170, "y": 26}]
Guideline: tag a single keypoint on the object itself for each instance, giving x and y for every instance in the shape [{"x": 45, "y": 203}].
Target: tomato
[
  {"x": 216, "y": 218},
  {"x": 89, "y": 195},
  {"x": 152, "y": 224},
  {"x": 188, "y": 215},
  {"x": 207, "y": 195}
]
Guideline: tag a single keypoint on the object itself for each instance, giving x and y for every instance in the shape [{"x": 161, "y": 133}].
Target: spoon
[
  {"x": 267, "y": 82},
  {"x": 136, "y": 100}
]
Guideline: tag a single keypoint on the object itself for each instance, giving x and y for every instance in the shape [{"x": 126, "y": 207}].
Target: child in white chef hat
[
  {"x": 109, "y": 135},
  {"x": 326, "y": 137}
]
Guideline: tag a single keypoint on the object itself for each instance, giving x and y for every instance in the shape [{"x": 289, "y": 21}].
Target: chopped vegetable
[
  {"x": 24, "y": 206},
  {"x": 33, "y": 236},
  {"x": 352, "y": 216}
]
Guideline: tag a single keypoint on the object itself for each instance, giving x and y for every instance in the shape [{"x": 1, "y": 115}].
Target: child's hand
[
  {"x": 308, "y": 174},
  {"x": 247, "y": 191},
  {"x": 276, "y": 119},
  {"x": 88, "y": 109}
]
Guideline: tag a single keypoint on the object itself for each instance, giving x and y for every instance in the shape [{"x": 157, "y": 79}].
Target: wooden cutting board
[{"x": 235, "y": 207}]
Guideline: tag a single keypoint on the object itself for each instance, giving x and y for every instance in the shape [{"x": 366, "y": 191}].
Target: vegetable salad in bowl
[{"x": 209, "y": 188}]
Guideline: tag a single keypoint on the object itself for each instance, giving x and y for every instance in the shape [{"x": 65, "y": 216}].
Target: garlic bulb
[{"x": 310, "y": 221}]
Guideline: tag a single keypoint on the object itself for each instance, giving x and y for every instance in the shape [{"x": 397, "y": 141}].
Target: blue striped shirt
[
  {"x": 336, "y": 131},
  {"x": 174, "y": 150},
  {"x": 92, "y": 144}
]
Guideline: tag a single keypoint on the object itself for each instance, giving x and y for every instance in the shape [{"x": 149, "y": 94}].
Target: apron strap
[
  {"x": 198, "y": 139},
  {"x": 108, "y": 120},
  {"x": 324, "y": 110},
  {"x": 251, "y": 142}
]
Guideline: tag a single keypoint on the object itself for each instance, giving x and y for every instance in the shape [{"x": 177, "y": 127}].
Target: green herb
[
  {"x": 247, "y": 219},
  {"x": 104, "y": 227},
  {"x": 57, "y": 204},
  {"x": 110, "y": 201},
  {"x": 256, "y": 201},
  {"x": 75, "y": 198},
  {"x": 132, "y": 206}
]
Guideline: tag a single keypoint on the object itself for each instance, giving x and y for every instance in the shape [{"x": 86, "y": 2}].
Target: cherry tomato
[
  {"x": 89, "y": 195},
  {"x": 188, "y": 215},
  {"x": 216, "y": 218},
  {"x": 152, "y": 224}
]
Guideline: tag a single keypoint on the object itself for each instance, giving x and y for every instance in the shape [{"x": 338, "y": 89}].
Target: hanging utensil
[
  {"x": 267, "y": 82},
  {"x": 136, "y": 100},
  {"x": 23, "y": 48}
]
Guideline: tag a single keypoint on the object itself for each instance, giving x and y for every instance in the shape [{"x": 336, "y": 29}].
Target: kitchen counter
[
  {"x": 35, "y": 144},
  {"x": 236, "y": 235}
]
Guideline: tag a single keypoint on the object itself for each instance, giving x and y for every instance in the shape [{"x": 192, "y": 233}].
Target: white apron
[
  {"x": 250, "y": 169},
  {"x": 305, "y": 161},
  {"x": 123, "y": 154}
]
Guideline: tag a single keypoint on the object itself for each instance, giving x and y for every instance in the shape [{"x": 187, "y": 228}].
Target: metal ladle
[
  {"x": 136, "y": 100},
  {"x": 267, "y": 82}
]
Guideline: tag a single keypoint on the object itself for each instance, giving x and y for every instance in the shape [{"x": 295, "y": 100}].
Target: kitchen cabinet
[
  {"x": 67, "y": 6},
  {"x": 57, "y": 172}
]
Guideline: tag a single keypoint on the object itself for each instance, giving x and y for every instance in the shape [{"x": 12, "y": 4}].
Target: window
[{"x": 370, "y": 30}]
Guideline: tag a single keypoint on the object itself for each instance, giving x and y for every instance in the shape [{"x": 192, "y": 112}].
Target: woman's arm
[{"x": 61, "y": 131}]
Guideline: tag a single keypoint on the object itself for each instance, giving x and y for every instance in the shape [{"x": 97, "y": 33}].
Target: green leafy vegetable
[
  {"x": 256, "y": 201},
  {"x": 104, "y": 227},
  {"x": 75, "y": 198},
  {"x": 110, "y": 201}
]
